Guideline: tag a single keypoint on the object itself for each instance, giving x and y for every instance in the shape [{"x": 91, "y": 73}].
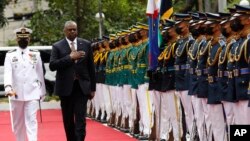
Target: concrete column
[{"x": 222, "y": 5}]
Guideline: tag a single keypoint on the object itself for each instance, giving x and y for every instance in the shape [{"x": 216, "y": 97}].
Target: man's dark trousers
[{"x": 74, "y": 113}]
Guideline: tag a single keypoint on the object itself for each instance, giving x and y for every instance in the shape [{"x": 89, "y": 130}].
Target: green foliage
[
  {"x": 122, "y": 14},
  {"x": 3, "y": 20},
  {"x": 48, "y": 25},
  {"x": 119, "y": 14},
  {"x": 178, "y": 5},
  {"x": 12, "y": 42},
  {"x": 233, "y": 2},
  {"x": 51, "y": 98}
]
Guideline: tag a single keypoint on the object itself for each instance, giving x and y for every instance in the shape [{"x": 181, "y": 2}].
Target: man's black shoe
[
  {"x": 103, "y": 121},
  {"x": 144, "y": 137},
  {"x": 136, "y": 136}
]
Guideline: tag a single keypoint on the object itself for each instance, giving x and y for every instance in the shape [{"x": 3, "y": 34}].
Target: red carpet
[{"x": 52, "y": 129}]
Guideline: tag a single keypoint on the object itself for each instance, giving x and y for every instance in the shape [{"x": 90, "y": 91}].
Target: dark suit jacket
[{"x": 66, "y": 68}]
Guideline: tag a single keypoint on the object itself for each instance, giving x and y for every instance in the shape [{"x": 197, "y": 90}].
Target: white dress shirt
[{"x": 75, "y": 42}]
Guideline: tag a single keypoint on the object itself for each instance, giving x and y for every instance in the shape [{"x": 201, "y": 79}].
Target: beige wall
[{"x": 22, "y": 6}]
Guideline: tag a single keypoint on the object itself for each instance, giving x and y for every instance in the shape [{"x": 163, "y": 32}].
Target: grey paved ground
[{"x": 44, "y": 105}]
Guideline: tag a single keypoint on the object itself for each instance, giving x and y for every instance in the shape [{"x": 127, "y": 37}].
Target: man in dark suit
[{"x": 72, "y": 58}]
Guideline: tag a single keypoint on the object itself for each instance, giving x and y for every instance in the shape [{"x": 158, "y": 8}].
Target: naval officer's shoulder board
[
  {"x": 34, "y": 50},
  {"x": 11, "y": 51}
]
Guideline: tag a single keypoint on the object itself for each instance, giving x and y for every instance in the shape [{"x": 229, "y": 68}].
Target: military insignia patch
[
  {"x": 233, "y": 41},
  {"x": 14, "y": 59},
  {"x": 23, "y": 30},
  {"x": 222, "y": 43},
  {"x": 248, "y": 36},
  {"x": 33, "y": 58}
]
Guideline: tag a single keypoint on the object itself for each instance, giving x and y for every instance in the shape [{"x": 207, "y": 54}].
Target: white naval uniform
[{"x": 23, "y": 73}]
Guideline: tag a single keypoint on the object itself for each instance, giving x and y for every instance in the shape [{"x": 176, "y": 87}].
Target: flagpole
[
  {"x": 160, "y": 118},
  {"x": 101, "y": 20}
]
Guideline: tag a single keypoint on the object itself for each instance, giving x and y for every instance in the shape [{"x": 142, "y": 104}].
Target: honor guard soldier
[
  {"x": 98, "y": 99},
  {"x": 132, "y": 59},
  {"x": 202, "y": 72},
  {"x": 95, "y": 48},
  {"x": 91, "y": 103},
  {"x": 241, "y": 25},
  {"x": 181, "y": 67},
  {"x": 109, "y": 77},
  {"x": 155, "y": 86},
  {"x": 226, "y": 80},
  {"x": 102, "y": 91},
  {"x": 24, "y": 83},
  {"x": 105, "y": 89},
  {"x": 124, "y": 72},
  {"x": 135, "y": 38},
  {"x": 200, "y": 40},
  {"x": 215, "y": 110},
  {"x": 167, "y": 108},
  {"x": 191, "y": 61},
  {"x": 99, "y": 81},
  {"x": 116, "y": 81},
  {"x": 143, "y": 95}
]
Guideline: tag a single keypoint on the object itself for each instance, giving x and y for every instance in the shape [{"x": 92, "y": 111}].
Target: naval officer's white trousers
[{"x": 24, "y": 119}]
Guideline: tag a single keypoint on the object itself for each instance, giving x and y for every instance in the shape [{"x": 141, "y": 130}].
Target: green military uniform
[
  {"x": 132, "y": 58},
  {"x": 109, "y": 68},
  {"x": 97, "y": 58},
  {"x": 116, "y": 71},
  {"x": 142, "y": 63},
  {"x": 124, "y": 65}
]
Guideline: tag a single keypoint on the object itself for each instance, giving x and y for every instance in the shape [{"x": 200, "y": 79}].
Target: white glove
[{"x": 42, "y": 98}]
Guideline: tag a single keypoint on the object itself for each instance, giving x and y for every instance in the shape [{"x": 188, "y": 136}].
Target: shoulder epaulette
[
  {"x": 11, "y": 51},
  {"x": 222, "y": 43},
  {"x": 248, "y": 36},
  {"x": 190, "y": 42},
  {"x": 190, "y": 37},
  {"x": 34, "y": 50}
]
